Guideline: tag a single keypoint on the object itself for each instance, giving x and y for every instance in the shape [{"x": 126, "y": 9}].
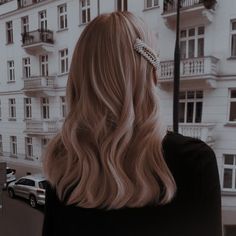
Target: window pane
[
  {"x": 149, "y": 3},
  {"x": 199, "y": 94},
  {"x": 232, "y": 115},
  {"x": 191, "y": 32},
  {"x": 183, "y": 33},
  {"x": 229, "y": 159},
  {"x": 182, "y": 95},
  {"x": 84, "y": 16},
  {"x": 228, "y": 173},
  {"x": 155, "y": 2},
  {"x": 200, "y": 30},
  {"x": 191, "y": 48},
  {"x": 230, "y": 230},
  {"x": 234, "y": 25},
  {"x": 190, "y": 106},
  {"x": 183, "y": 49},
  {"x": 181, "y": 111},
  {"x": 190, "y": 94},
  {"x": 233, "y": 93},
  {"x": 201, "y": 47},
  {"x": 233, "y": 45},
  {"x": 198, "y": 118}
]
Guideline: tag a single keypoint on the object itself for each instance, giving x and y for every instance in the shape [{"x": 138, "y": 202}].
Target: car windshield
[{"x": 43, "y": 184}]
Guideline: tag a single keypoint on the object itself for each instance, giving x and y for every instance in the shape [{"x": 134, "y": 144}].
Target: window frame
[
  {"x": 11, "y": 71},
  {"x": 63, "y": 106},
  {"x": 122, "y": 5},
  {"x": 152, "y": 4},
  {"x": 64, "y": 59},
  {"x": 13, "y": 145},
  {"x": 232, "y": 33},
  {"x": 87, "y": 9},
  {"x": 0, "y": 109},
  {"x": 233, "y": 168},
  {"x": 194, "y": 100},
  {"x": 44, "y": 66},
  {"x": 12, "y": 108},
  {"x": 26, "y": 67},
  {"x": 1, "y": 144},
  {"x": 9, "y": 32},
  {"x": 196, "y": 38},
  {"x": 45, "y": 107},
  {"x": 42, "y": 20},
  {"x": 62, "y": 15},
  {"x": 24, "y": 25},
  {"x": 27, "y": 108},
  {"x": 229, "y": 105},
  {"x": 29, "y": 144}
]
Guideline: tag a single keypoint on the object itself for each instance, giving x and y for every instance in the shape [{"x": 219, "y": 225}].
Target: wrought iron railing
[
  {"x": 37, "y": 36},
  {"x": 26, "y": 3},
  {"x": 39, "y": 82}
]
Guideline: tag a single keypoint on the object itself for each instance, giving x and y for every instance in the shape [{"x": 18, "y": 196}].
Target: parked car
[
  {"x": 30, "y": 187},
  {"x": 10, "y": 176}
]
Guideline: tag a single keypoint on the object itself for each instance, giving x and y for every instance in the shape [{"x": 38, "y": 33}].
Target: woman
[{"x": 112, "y": 169}]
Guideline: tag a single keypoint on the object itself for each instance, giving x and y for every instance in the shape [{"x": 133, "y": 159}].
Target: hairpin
[{"x": 147, "y": 52}]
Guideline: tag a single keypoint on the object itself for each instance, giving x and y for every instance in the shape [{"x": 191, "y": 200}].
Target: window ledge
[
  {"x": 11, "y": 81},
  {"x": 229, "y": 124},
  {"x": 231, "y": 58},
  {"x": 12, "y": 119},
  {"x": 62, "y": 30},
  {"x": 64, "y": 74},
  {"x": 9, "y": 43},
  {"x": 83, "y": 24},
  {"x": 150, "y": 8},
  {"x": 13, "y": 156},
  {"x": 228, "y": 193}
]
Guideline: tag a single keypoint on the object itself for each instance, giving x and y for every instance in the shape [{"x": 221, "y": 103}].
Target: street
[{"x": 17, "y": 217}]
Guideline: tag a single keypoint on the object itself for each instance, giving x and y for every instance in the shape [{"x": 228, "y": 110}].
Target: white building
[{"x": 37, "y": 42}]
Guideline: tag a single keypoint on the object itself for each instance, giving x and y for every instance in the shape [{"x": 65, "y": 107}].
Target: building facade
[{"x": 36, "y": 46}]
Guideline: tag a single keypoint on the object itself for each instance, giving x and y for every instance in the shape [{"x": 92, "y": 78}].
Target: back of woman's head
[{"x": 109, "y": 151}]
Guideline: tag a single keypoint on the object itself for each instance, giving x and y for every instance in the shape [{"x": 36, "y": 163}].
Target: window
[
  {"x": 233, "y": 38},
  {"x": 13, "y": 146},
  {"x": 192, "y": 42},
  {"x": 44, "y": 143},
  {"x": 12, "y": 108},
  {"x": 44, "y": 65},
  {"x": 24, "y": 24},
  {"x": 151, "y": 3},
  {"x": 122, "y": 5},
  {"x": 229, "y": 174},
  {"x": 11, "y": 71},
  {"x": 232, "y": 108},
  {"x": 190, "y": 106},
  {"x": 27, "y": 108},
  {"x": 85, "y": 11},
  {"x": 62, "y": 17},
  {"x": 1, "y": 148},
  {"x": 9, "y": 32},
  {"x": 63, "y": 107},
  {"x": 28, "y": 147},
  {"x": 64, "y": 64},
  {"x": 26, "y": 67},
  {"x": 43, "y": 20},
  {"x": 45, "y": 108}
]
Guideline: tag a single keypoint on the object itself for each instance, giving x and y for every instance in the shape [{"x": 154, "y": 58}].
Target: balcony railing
[
  {"x": 39, "y": 82},
  {"x": 194, "y": 67},
  {"x": 26, "y": 3},
  {"x": 200, "y": 131},
  {"x": 171, "y": 6},
  {"x": 41, "y": 127},
  {"x": 37, "y": 36}
]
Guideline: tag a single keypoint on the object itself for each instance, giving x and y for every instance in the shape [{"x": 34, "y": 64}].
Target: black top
[{"x": 195, "y": 210}]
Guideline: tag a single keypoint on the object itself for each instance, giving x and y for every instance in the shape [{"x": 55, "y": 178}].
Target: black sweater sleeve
[
  {"x": 209, "y": 207},
  {"x": 49, "y": 212}
]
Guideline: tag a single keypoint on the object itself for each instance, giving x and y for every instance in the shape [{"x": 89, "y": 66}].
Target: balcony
[
  {"x": 26, "y": 3},
  {"x": 199, "y": 72},
  {"x": 38, "y": 41},
  {"x": 44, "y": 128},
  {"x": 202, "y": 131},
  {"x": 39, "y": 86},
  {"x": 190, "y": 9}
]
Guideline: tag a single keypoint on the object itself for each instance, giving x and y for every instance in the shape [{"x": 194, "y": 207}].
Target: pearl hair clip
[{"x": 147, "y": 52}]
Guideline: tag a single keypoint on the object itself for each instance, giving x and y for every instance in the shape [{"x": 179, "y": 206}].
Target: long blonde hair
[{"x": 108, "y": 153}]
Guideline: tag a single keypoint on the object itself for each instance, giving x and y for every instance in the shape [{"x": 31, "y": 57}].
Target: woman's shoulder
[{"x": 185, "y": 150}]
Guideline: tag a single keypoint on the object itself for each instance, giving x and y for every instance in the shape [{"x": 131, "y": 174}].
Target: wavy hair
[{"x": 108, "y": 153}]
